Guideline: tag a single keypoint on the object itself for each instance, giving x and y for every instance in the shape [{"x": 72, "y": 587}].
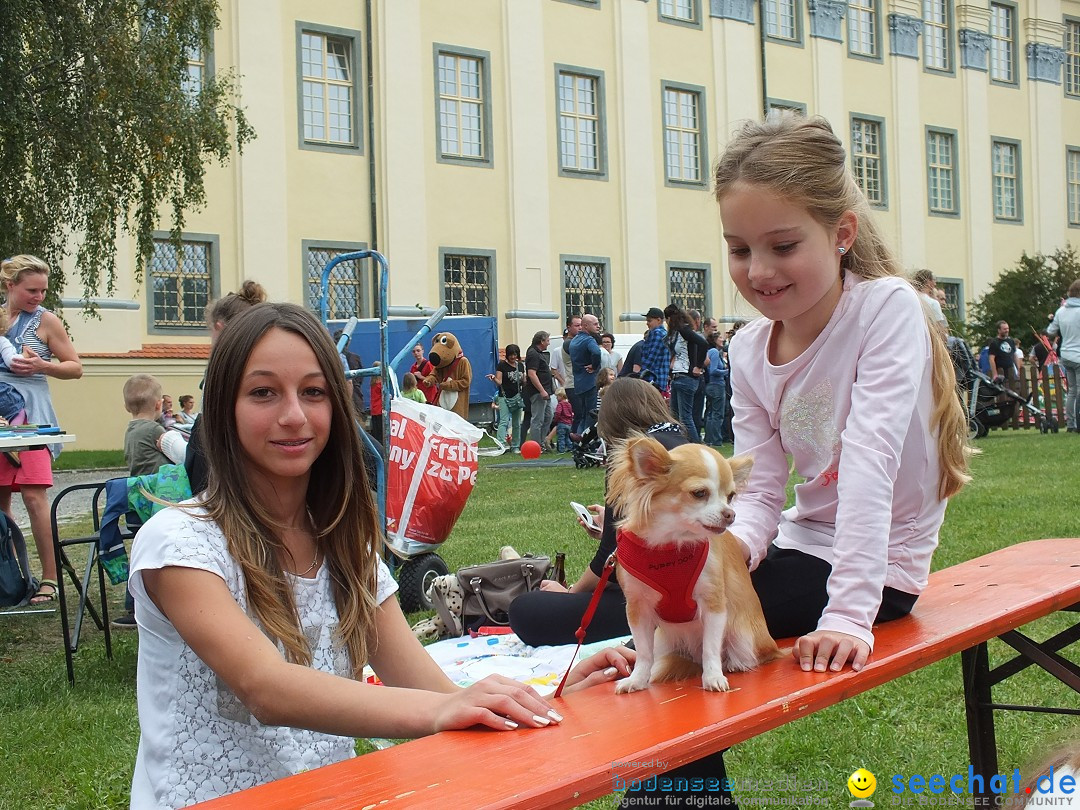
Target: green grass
[
  {"x": 89, "y": 460},
  {"x": 75, "y": 748}
]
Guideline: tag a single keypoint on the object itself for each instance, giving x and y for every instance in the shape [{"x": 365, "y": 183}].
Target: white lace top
[{"x": 198, "y": 741}]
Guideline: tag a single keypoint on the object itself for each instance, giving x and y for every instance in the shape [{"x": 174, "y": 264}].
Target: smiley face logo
[{"x": 862, "y": 784}]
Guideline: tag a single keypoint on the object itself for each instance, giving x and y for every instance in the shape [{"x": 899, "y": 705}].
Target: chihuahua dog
[{"x": 689, "y": 599}]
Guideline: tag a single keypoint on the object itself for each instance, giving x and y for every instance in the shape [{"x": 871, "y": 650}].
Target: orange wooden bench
[{"x": 962, "y": 608}]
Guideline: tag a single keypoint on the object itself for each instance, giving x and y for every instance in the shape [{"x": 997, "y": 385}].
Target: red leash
[{"x": 590, "y": 611}]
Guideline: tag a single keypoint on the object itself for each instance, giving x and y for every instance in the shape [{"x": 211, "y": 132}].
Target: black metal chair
[{"x": 61, "y": 503}]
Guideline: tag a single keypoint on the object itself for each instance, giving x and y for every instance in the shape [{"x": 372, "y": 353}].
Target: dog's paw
[
  {"x": 715, "y": 682},
  {"x": 631, "y": 684}
]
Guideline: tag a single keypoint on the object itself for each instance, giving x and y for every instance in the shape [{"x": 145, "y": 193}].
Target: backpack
[{"x": 17, "y": 584}]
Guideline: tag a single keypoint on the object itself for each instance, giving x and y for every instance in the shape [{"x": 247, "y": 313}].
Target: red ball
[{"x": 530, "y": 450}]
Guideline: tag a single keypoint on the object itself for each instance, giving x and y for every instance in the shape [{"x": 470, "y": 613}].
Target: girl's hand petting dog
[
  {"x": 828, "y": 649},
  {"x": 609, "y": 664}
]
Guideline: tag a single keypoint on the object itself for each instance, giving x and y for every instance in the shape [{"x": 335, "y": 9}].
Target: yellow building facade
[{"x": 528, "y": 158}]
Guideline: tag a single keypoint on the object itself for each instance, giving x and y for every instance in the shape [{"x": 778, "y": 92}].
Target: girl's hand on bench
[
  {"x": 605, "y": 666},
  {"x": 829, "y": 649},
  {"x": 496, "y": 702}
]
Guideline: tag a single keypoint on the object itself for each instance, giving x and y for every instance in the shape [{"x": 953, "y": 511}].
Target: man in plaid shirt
[{"x": 655, "y": 355}]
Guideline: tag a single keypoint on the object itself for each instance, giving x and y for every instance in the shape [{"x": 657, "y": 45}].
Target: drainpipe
[
  {"x": 761, "y": 58},
  {"x": 373, "y": 218}
]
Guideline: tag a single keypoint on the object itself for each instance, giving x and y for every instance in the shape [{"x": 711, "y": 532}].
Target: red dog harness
[{"x": 671, "y": 570}]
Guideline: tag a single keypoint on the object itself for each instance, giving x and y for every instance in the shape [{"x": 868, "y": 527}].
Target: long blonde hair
[
  {"x": 801, "y": 161},
  {"x": 338, "y": 497}
]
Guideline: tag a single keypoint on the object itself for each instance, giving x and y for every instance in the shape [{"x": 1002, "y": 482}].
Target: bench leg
[{"x": 982, "y": 743}]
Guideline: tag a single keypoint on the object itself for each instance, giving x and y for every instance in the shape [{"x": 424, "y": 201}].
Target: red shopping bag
[{"x": 431, "y": 471}]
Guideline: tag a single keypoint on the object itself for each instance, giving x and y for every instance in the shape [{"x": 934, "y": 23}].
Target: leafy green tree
[
  {"x": 1025, "y": 295},
  {"x": 100, "y": 125}
]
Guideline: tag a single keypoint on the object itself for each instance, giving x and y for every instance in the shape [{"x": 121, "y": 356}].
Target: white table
[{"x": 33, "y": 441}]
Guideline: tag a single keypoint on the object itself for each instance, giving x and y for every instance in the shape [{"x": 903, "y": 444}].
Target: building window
[
  {"x": 193, "y": 82},
  {"x": 1006, "y": 156},
  {"x": 463, "y": 97},
  {"x": 328, "y": 89},
  {"x": 181, "y": 282},
  {"x": 937, "y": 34},
  {"x": 954, "y": 299},
  {"x": 683, "y": 135},
  {"x": 863, "y": 27},
  {"x": 867, "y": 158},
  {"x": 1072, "y": 185},
  {"x": 1072, "y": 57},
  {"x": 583, "y": 288},
  {"x": 344, "y": 287},
  {"x": 941, "y": 171},
  {"x": 1002, "y": 43},
  {"x": 680, "y": 10},
  {"x": 580, "y": 132},
  {"x": 781, "y": 19},
  {"x": 687, "y": 288},
  {"x": 775, "y": 106},
  {"x": 467, "y": 284}
]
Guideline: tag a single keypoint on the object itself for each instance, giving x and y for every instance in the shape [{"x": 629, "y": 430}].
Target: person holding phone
[{"x": 552, "y": 614}]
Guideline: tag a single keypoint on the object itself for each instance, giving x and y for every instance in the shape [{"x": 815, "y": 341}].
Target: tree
[
  {"x": 1026, "y": 296},
  {"x": 100, "y": 124}
]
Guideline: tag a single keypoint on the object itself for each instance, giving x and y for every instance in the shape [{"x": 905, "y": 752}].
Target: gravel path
[{"x": 74, "y": 505}]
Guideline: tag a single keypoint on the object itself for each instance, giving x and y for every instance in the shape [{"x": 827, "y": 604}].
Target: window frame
[
  {"x": 1018, "y": 219},
  {"x": 469, "y": 253},
  {"x": 1072, "y": 188},
  {"x": 953, "y": 136},
  {"x": 797, "y": 22},
  {"x": 214, "y": 292},
  {"x": 703, "y": 134},
  {"x": 958, "y": 283},
  {"x": 1014, "y": 59},
  {"x": 883, "y": 204},
  {"x": 605, "y": 263},
  {"x": 354, "y": 40},
  {"x": 705, "y": 268},
  {"x": 949, "y": 28},
  {"x": 1071, "y": 81},
  {"x": 601, "y": 172},
  {"x": 486, "y": 159},
  {"x": 671, "y": 19},
  {"x": 783, "y": 104},
  {"x": 363, "y": 279},
  {"x": 874, "y": 9}
]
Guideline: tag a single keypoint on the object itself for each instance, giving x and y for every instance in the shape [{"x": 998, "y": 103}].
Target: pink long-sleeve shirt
[{"x": 853, "y": 413}]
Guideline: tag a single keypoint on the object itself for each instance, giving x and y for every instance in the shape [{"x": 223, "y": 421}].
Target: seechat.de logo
[{"x": 862, "y": 784}]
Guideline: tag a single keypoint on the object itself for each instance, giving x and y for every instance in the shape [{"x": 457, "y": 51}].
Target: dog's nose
[
  {"x": 433, "y": 358},
  {"x": 728, "y": 514}
]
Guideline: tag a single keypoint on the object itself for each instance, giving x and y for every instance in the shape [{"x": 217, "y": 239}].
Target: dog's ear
[
  {"x": 740, "y": 470},
  {"x": 648, "y": 458}
]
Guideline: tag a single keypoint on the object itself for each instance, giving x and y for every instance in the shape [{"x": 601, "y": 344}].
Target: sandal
[{"x": 40, "y": 598}]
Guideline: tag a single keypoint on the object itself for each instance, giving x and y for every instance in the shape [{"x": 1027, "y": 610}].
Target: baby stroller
[
  {"x": 589, "y": 450},
  {"x": 992, "y": 405}
]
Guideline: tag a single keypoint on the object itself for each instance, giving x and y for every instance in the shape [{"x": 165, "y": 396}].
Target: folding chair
[{"x": 107, "y": 527}]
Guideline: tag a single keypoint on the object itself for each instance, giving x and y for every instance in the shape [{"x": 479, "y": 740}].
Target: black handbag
[{"x": 488, "y": 589}]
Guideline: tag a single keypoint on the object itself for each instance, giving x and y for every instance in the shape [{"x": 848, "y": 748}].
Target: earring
[{"x": 841, "y": 250}]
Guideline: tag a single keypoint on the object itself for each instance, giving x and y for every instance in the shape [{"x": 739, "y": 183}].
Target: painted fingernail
[
  {"x": 510, "y": 724},
  {"x": 554, "y": 715},
  {"x": 541, "y": 720},
  {"x": 611, "y": 671}
]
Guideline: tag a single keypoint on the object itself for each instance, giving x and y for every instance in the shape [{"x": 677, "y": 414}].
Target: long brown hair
[
  {"x": 232, "y": 304},
  {"x": 631, "y": 406},
  {"x": 801, "y": 161},
  {"x": 342, "y": 510}
]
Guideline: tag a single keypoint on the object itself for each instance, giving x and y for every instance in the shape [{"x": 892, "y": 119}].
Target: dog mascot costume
[{"x": 453, "y": 373}]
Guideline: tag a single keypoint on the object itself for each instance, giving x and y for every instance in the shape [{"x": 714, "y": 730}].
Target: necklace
[{"x": 307, "y": 570}]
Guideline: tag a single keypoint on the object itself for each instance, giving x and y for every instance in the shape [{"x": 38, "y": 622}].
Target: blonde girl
[
  {"x": 259, "y": 603},
  {"x": 43, "y": 349},
  {"x": 880, "y": 444}
]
